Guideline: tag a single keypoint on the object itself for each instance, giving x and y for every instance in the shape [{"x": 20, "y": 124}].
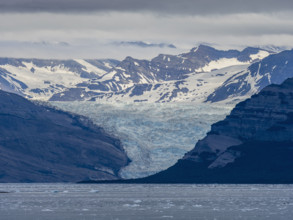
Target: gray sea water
[{"x": 117, "y": 201}]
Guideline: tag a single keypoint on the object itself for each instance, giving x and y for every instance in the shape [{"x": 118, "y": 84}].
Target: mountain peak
[
  {"x": 202, "y": 47},
  {"x": 251, "y": 50},
  {"x": 129, "y": 58}
]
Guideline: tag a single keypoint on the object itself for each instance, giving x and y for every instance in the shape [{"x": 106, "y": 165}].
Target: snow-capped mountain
[
  {"x": 195, "y": 88},
  {"x": 192, "y": 76},
  {"x": 40, "y": 79},
  {"x": 273, "y": 69},
  {"x": 165, "y": 78}
]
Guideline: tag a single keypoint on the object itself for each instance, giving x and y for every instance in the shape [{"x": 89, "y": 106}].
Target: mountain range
[
  {"x": 195, "y": 76},
  {"x": 40, "y": 79}
]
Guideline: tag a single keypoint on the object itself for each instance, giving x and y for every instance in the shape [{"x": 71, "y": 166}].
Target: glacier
[{"x": 154, "y": 135}]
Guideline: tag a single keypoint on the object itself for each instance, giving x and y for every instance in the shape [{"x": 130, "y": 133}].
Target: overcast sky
[{"x": 92, "y": 28}]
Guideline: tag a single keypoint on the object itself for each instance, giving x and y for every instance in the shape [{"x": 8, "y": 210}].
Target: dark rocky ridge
[
  {"x": 175, "y": 67},
  {"x": 254, "y": 144},
  {"x": 42, "y": 144}
]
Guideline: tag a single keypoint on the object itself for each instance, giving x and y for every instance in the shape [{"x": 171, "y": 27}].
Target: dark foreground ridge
[
  {"x": 254, "y": 144},
  {"x": 42, "y": 144}
]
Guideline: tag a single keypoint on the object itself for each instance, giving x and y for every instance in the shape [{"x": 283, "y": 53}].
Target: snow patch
[
  {"x": 221, "y": 63},
  {"x": 90, "y": 68},
  {"x": 224, "y": 159},
  {"x": 260, "y": 55},
  {"x": 107, "y": 65}
]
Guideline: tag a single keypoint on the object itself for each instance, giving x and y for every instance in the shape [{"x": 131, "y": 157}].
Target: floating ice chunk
[
  {"x": 248, "y": 209},
  {"x": 47, "y": 210},
  {"x": 131, "y": 205},
  {"x": 168, "y": 205}
]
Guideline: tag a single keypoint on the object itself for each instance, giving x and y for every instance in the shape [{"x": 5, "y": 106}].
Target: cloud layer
[
  {"x": 88, "y": 28},
  {"x": 192, "y": 7}
]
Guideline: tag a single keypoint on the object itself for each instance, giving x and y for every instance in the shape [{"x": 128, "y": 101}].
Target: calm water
[{"x": 71, "y": 201}]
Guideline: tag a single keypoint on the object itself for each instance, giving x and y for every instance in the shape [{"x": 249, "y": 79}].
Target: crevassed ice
[{"x": 154, "y": 135}]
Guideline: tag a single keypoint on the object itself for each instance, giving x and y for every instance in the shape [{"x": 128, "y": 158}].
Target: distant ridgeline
[
  {"x": 202, "y": 74},
  {"x": 254, "y": 144}
]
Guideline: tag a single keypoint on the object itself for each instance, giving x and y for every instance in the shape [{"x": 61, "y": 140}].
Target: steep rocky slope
[
  {"x": 41, "y": 144},
  {"x": 254, "y": 144}
]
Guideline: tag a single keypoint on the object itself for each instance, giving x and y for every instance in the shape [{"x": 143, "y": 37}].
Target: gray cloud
[
  {"x": 29, "y": 29},
  {"x": 92, "y": 50},
  {"x": 143, "y": 44},
  {"x": 193, "y": 7},
  {"x": 91, "y": 35}
]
